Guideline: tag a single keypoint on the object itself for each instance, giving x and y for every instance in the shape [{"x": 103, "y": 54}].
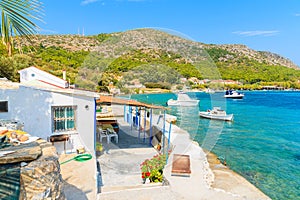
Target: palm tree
[{"x": 17, "y": 20}]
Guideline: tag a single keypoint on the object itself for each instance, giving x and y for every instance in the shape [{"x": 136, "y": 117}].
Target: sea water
[{"x": 262, "y": 143}]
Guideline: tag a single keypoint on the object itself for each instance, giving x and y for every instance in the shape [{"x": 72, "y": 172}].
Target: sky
[{"x": 264, "y": 25}]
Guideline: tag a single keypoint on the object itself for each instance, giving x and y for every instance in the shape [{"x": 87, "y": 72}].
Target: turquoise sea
[{"x": 262, "y": 143}]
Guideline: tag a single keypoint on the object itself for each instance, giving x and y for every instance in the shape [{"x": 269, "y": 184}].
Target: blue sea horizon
[{"x": 262, "y": 143}]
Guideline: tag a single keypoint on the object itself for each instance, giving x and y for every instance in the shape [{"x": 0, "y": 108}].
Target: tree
[
  {"x": 7, "y": 68},
  {"x": 17, "y": 20}
]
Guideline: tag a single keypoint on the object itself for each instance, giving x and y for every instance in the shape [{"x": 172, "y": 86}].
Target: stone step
[
  {"x": 149, "y": 191},
  {"x": 108, "y": 189}
]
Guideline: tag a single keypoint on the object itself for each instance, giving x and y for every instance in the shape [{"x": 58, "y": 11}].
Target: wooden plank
[{"x": 181, "y": 165}]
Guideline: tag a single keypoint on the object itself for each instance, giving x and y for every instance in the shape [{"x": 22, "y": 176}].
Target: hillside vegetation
[{"x": 120, "y": 58}]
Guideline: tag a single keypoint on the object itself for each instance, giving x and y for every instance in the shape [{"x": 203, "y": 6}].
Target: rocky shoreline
[{"x": 228, "y": 180}]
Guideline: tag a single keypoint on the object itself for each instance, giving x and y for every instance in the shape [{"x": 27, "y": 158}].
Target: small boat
[
  {"x": 209, "y": 91},
  {"x": 183, "y": 100},
  {"x": 233, "y": 94},
  {"x": 216, "y": 113}
]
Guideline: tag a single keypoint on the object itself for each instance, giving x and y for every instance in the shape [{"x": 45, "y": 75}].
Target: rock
[
  {"x": 32, "y": 171},
  {"x": 22, "y": 153},
  {"x": 41, "y": 178}
]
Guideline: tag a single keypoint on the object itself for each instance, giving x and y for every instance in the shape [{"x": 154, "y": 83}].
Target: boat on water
[
  {"x": 233, "y": 94},
  {"x": 216, "y": 113},
  {"x": 209, "y": 91},
  {"x": 183, "y": 100}
]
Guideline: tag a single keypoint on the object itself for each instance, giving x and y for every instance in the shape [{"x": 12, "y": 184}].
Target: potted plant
[
  {"x": 152, "y": 169},
  {"x": 99, "y": 148}
]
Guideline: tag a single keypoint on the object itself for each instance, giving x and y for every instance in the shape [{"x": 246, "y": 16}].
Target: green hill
[{"x": 148, "y": 55}]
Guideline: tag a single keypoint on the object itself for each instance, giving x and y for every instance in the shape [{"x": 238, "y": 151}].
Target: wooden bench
[{"x": 60, "y": 138}]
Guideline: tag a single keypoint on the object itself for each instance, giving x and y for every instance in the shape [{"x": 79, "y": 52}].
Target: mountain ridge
[
  {"x": 150, "y": 38},
  {"x": 149, "y": 56}
]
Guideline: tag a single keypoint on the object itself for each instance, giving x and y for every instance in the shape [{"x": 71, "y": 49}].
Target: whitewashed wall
[
  {"x": 32, "y": 73},
  {"x": 33, "y": 108},
  {"x": 85, "y": 117}
]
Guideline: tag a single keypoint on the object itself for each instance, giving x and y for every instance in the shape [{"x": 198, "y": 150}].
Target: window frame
[
  {"x": 5, "y": 110},
  {"x": 65, "y": 118}
]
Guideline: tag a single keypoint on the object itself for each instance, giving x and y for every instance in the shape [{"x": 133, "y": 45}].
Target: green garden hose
[{"x": 79, "y": 158}]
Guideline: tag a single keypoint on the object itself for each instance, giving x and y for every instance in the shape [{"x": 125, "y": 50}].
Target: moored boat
[
  {"x": 233, "y": 94},
  {"x": 183, "y": 100},
  {"x": 216, "y": 113}
]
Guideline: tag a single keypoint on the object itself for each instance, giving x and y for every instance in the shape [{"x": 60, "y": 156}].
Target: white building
[
  {"x": 47, "y": 109},
  {"x": 33, "y": 73}
]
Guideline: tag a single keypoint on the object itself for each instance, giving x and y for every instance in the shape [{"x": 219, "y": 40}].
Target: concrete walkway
[
  {"x": 120, "y": 163},
  {"x": 197, "y": 186},
  {"x": 121, "y": 176}
]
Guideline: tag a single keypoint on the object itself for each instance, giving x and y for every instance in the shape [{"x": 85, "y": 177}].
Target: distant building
[
  {"x": 134, "y": 84},
  {"x": 272, "y": 88},
  {"x": 227, "y": 82},
  {"x": 195, "y": 80},
  {"x": 183, "y": 80}
]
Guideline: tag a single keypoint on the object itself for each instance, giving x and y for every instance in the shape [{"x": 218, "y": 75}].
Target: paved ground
[
  {"x": 79, "y": 178},
  {"x": 120, "y": 176},
  {"x": 120, "y": 162}
]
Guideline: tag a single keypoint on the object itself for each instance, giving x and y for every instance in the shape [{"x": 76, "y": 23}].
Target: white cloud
[
  {"x": 256, "y": 33},
  {"x": 85, "y": 2}
]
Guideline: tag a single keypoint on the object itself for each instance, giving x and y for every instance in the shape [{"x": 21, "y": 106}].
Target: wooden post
[
  {"x": 137, "y": 121},
  {"x": 163, "y": 132},
  {"x": 150, "y": 138},
  {"x": 130, "y": 117},
  {"x": 125, "y": 114},
  {"x": 145, "y": 115},
  {"x": 169, "y": 139}
]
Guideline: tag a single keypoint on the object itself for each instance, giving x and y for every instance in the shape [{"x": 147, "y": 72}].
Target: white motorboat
[
  {"x": 216, "y": 113},
  {"x": 233, "y": 94},
  {"x": 183, "y": 100}
]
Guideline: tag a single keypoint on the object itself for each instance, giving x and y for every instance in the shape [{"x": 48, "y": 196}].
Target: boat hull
[
  {"x": 208, "y": 115},
  {"x": 234, "y": 96},
  {"x": 172, "y": 102}
]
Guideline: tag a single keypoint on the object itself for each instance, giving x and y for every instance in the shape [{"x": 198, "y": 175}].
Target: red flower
[{"x": 147, "y": 174}]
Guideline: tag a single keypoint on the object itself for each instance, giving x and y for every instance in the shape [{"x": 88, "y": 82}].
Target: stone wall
[
  {"x": 30, "y": 171},
  {"x": 41, "y": 178}
]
